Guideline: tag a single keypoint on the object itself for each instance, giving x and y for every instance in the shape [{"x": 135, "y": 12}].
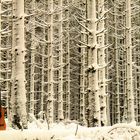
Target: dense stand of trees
[{"x": 71, "y": 60}]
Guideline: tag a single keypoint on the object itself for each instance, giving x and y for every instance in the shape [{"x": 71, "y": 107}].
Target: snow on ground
[
  {"x": 57, "y": 132},
  {"x": 71, "y": 131}
]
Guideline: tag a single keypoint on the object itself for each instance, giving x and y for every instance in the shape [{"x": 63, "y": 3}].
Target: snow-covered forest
[{"x": 72, "y": 62}]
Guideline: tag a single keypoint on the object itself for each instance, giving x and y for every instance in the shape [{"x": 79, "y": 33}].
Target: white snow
[
  {"x": 5, "y": 0},
  {"x": 66, "y": 131}
]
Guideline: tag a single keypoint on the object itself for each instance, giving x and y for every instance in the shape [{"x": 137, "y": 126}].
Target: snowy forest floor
[{"x": 71, "y": 131}]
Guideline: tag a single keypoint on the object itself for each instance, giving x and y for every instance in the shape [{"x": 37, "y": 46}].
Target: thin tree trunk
[
  {"x": 130, "y": 92},
  {"x": 117, "y": 107},
  {"x": 101, "y": 57},
  {"x": 83, "y": 75},
  {"x": 50, "y": 104},
  {"x": 61, "y": 77},
  {"x": 68, "y": 92},
  {"x": 32, "y": 85},
  {"x": 43, "y": 63}
]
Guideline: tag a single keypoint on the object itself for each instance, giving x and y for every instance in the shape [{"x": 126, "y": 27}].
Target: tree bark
[
  {"x": 18, "y": 64},
  {"x": 130, "y": 92}
]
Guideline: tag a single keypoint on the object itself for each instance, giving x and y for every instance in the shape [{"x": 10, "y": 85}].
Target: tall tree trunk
[
  {"x": 130, "y": 92},
  {"x": 66, "y": 29},
  {"x": 50, "y": 104},
  {"x": 61, "y": 63},
  {"x": 18, "y": 64},
  {"x": 43, "y": 62},
  {"x": 117, "y": 96},
  {"x": 101, "y": 59},
  {"x": 93, "y": 88},
  {"x": 32, "y": 71},
  {"x": 83, "y": 74}
]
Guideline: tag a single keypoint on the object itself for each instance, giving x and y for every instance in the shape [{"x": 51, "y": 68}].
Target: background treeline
[{"x": 71, "y": 60}]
